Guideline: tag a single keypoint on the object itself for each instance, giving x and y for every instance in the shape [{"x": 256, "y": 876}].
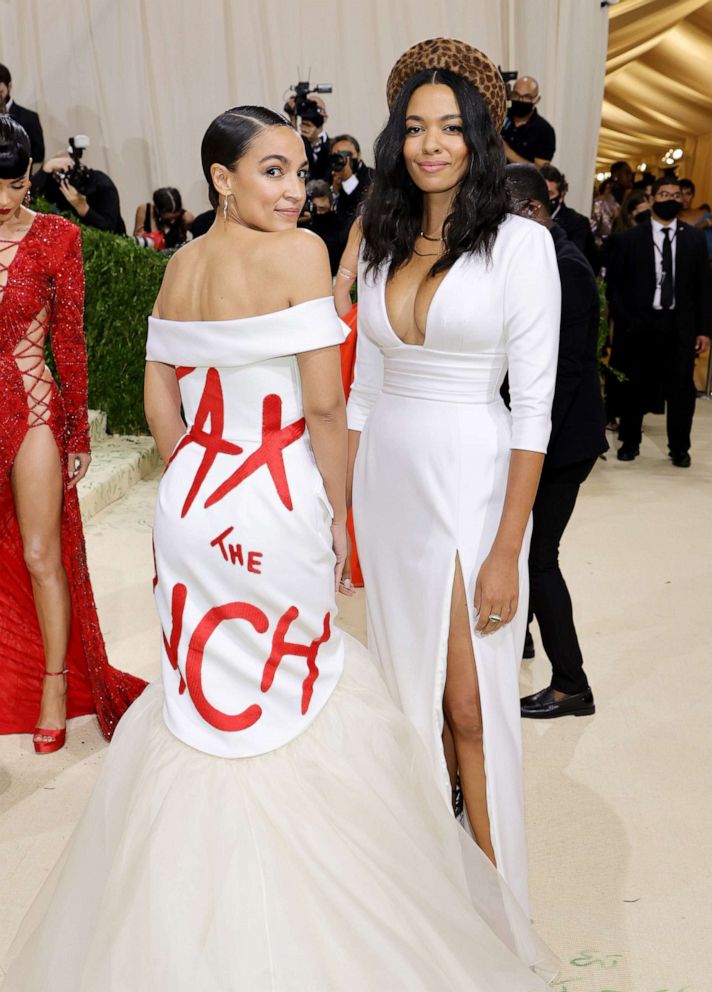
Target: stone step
[
  {"x": 118, "y": 463},
  {"x": 97, "y": 427}
]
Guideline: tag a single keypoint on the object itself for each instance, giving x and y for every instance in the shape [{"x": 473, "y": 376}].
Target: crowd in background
[
  {"x": 338, "y": 182},
  {"x": 340, "y": 179}
]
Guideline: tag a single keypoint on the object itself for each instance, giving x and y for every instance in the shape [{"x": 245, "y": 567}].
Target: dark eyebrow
[
  {"x": 445, "y": 117},
  {"x": 283, "y": 159}
]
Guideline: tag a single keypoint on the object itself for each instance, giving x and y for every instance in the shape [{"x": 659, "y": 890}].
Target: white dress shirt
[{"x": 658, "y": 242}]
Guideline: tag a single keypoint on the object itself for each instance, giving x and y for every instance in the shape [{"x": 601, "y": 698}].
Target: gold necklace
[
  {"x": 427, "y": 254},
  {"x": 428, "y": 238}
]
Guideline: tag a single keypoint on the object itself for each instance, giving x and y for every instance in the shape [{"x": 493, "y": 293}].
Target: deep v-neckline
[
  {"x": 8, "y": 268},
  {"x": 433, "y": 298}
]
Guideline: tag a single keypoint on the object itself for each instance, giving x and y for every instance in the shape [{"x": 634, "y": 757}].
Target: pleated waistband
[{"x": 445, "y": 378}]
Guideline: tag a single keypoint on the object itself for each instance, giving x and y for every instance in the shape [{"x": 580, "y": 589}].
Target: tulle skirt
[{"x": 329, "y": 865}]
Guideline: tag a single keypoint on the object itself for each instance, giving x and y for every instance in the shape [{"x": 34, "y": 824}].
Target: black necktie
[{"x": 666, "y": 287}]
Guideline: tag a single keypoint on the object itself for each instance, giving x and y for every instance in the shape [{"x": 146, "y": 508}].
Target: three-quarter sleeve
[
  {"x": 67, "y": 338},
  {"x": 367, "y": 384},
  {"x": 532, "y": 304}
]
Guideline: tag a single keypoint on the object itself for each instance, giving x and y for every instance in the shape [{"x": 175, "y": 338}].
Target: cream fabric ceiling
[{"x": 658, "y": 91}]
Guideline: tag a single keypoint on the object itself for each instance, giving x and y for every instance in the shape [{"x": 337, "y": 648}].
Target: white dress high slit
[
  {"x": 266, "y": 819},
  {"x": 430, "y": 481}
]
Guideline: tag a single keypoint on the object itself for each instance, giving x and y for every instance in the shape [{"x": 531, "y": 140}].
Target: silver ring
[{"x": 495, "y": 618}]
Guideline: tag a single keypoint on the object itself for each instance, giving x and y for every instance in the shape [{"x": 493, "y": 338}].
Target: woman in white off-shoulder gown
[
  {"x": 266, "y": 819},
  {"x": 445, "y": 476}
]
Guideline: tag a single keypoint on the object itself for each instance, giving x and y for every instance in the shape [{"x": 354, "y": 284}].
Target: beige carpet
[{"x": 619, "y": 805}]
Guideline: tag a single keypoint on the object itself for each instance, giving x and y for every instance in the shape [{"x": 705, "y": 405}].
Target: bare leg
[
  {"x": 463, "y": 713},
  {"x": 36, "y": 480},
  {"x": 450, "y": 758}
]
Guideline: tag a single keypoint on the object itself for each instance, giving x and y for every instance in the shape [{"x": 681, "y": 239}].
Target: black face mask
[
  {"x": 667, "y": 209},
  {"x": 642, "y": 216},
  {"x": 520, "y": 108},
  {"x": 554, "y": 204}
]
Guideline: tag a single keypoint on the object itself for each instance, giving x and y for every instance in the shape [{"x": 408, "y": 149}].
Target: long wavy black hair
[{"x": 393, "y": 212}]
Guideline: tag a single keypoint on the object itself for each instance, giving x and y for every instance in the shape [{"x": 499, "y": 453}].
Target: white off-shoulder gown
[
  {"x": 266, "y": 819},
  {"x": 430, "y": 481}
]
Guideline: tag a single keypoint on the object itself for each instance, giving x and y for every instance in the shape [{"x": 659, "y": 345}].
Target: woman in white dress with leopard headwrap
[{"x": 453, "y": 293}]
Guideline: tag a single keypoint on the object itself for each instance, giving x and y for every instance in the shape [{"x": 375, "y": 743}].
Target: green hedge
[{"x": 122, "y": 282}]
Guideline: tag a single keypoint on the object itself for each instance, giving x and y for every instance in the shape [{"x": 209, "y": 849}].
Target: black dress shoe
[
  {"x": 544, "y": 705},
  {"x": 681, "y": 459},
  {"x": 628, "y": 453},
  {"x": 528, "y": 652}
]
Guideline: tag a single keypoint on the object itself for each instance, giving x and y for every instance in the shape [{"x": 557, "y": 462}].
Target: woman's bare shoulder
[
  {"x": 299, "y": 261},
  {"x": 174, "y": 277},
  {"x": 298, "y": 242},
  {"x": 178, "y": 263}
]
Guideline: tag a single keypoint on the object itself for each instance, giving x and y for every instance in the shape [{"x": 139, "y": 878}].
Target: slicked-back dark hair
[
  {"x": 231, "y": 134},
  {"x": 394, "y": 207},
  {"x": 167, "y": 200},
  {"x": 15, "y": 152}
]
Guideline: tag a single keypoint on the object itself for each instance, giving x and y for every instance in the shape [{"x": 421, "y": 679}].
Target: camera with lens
[
  {"x": 301, "y": 101},
  {"x": 78, "y": 176},
  {"x": 309, "y": 209},
  {"x": 339, "y": 160}
]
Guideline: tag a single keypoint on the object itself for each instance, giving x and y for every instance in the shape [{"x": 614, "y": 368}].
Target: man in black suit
[
  {"x": 577, "y": 439},
  {"x": 577, "y": 227},
  {"x": 26, "y": 118},
  {"x": 660, "y": 300}
]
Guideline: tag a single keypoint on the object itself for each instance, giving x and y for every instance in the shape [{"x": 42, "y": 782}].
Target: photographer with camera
[
  {"x": 163, "y": 224},
  {"x": 70, "y": 185},
  {"x": 307, "y": 107},
  {"x": 350, "y": 177},
  {"x": 318, "y": 216},
  {"x": 316, "y": 142}
]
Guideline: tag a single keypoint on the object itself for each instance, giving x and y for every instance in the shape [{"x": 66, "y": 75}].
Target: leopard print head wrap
[{"x": 458, "y": 57}]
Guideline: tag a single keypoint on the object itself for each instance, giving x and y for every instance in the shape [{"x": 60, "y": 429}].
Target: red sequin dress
[{"x": 41, "y": 296}]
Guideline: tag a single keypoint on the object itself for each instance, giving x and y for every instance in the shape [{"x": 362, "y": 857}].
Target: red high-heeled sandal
[{"x": 58, "y": 738}]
